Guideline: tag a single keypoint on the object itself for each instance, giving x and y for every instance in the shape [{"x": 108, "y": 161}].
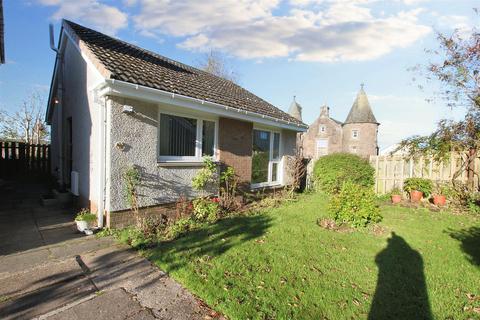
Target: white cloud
[
  {"x": 310, "y": 30},
  {"x": 414, "y": 2},
  {"x": 462, "y": 24},
  {"x": 95, "y": 14}
]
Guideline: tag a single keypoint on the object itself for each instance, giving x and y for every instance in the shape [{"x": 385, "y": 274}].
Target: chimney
[{"x": 324, "y": 111}]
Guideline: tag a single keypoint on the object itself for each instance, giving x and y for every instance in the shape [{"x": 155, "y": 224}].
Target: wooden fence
[
  {"x": 391, "y": 171},
  {"x": 21, "y": 159}
]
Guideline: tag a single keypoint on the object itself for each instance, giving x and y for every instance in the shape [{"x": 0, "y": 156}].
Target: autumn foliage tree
[{"x": 456, "y": 67}]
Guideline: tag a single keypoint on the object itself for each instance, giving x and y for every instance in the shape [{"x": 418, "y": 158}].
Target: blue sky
[{"x": 318, "y": 50}]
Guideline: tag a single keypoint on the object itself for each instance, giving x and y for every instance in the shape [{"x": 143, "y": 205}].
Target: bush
[
  {"x": 419, "y": 184},
  {"x": 206, "y": 209},
  {"x": 354, "y": 205},
  {"x": 331, "y": 171},
  {"x": 85, "y": 215},
  {"x": 179, "y": 227},
  {"x": 206, "y": 175}
]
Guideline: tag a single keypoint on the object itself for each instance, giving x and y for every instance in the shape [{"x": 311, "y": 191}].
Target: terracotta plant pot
[
  {"x": 439, "y": 200},
  {"x": 396, "y": 198},
  {"x": 416, "y": 196}
]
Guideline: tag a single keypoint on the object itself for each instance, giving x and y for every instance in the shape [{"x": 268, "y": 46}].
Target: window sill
[
  {"x": 266, "y": 185},
  {"x": 180, "y": 163}
]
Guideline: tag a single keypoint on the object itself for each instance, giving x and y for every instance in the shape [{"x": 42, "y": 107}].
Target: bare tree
[
  {"x": 27, "y": 123},
  {"x": 217, "y": 64}
]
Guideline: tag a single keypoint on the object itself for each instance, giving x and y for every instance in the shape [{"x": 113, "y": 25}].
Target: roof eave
[{"x": 126, "y": 89}]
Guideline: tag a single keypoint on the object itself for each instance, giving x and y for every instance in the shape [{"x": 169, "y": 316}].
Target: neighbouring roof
[
  {"x": 295, "y": 110},
  {"x": 2, "y": 37},
  {"x": 129, "y": 63},
  {"x": 338, "y": 122},
  {"x": 361, "y": 112}
]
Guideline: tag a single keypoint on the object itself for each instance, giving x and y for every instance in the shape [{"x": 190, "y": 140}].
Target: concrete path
[{"x": 50, "y": 271}]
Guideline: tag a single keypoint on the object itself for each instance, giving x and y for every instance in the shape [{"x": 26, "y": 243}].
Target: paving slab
[
  {"x": 24, "y": 282},
  {"x": 60, "y": 235},
  {"x": 112, "y": 305},
  {"x": 80, "y": 246},
  {"x": 46, "y": 299},
  {"x": 115, "y": 254},
  {"x": 120, "y": 267},
  {"x": 23, "y": 261}
]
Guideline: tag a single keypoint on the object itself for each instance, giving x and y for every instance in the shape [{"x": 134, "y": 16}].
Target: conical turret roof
[
  {"x": 361, "y": 112},
  {"x": 295, "y": 110}
]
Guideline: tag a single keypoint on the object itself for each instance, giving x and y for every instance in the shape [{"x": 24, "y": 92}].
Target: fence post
[{"x": 21, "y": 155}]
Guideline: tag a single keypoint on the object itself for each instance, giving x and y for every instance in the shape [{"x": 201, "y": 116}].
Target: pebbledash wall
[{"x": 133, "y": 139}]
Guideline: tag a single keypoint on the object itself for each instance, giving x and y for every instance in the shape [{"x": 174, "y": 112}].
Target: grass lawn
[{"x": 281, "y": 265}]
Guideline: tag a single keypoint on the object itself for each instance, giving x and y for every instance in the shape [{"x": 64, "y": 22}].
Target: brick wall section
[
  {"x": 125, "y": 218},
  {"x": 235, "y": 147}
]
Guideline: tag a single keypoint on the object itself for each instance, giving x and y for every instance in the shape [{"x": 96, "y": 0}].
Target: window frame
[
  {"x": 198, "y": 158},
  {"x": 355, "y": 133},
  {"x": 322, "y": 129},
  {"x": 317, "y": 148},
  {"x": 271, "y": 160}
]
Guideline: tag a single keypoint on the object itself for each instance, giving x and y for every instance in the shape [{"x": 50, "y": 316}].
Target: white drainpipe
[{"x": 102, "y": 151}]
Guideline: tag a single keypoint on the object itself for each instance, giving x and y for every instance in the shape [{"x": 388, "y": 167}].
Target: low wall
[{"x": 125, "y": 218}]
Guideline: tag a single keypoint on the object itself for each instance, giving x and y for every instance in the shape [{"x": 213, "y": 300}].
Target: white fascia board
[
  {"x": 133, "y": 91},
  {"x": 58, "y": 57}
]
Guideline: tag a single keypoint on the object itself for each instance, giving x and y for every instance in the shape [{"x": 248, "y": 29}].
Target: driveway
[{"x": 50, "y": 271}]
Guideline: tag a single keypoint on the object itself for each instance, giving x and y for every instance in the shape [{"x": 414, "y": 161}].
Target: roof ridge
[
  {"x": 156, "y": 55},
  {"x": 131, "y": 63}
]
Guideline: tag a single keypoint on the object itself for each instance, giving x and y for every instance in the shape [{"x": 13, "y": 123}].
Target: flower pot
[
  {"x": 416, "y": 196},
  {"x": 82, "y": 225},
  {"x": 439, "y": 200},
  {"x": 396, "y": 198}
]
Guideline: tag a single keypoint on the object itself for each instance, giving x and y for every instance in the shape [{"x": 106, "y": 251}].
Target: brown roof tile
[{"x": 135, "y": 65}]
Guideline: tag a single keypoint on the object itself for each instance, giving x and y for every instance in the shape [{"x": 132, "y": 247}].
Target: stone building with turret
[{"x": 326, "y": 135}]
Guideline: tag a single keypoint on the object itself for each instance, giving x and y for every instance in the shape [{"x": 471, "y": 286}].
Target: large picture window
[
  {"x": 185, "y": 139},
  {"x": 265, "y": 158}
]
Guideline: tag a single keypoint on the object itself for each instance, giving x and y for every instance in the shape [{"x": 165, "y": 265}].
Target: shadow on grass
[
  {"x": 211, "y": 241},
  {"x": 401, "y": 291},
  {"x": 469, "y": 242}
]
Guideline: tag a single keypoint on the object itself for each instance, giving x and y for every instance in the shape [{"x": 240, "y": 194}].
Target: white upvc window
[
  {"x": 265, "y": 158},
  {"x": 185, "y": 138},
  {"x": 355, "y": 134}
]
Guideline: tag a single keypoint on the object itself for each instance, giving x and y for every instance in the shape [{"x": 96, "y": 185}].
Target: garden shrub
[
  {"x": 419, "y": 184},
  {"x": 179, "y": 227},
  {"x": 331, "y": 171},
  {"x": 354, "y": 205},
  {"x": 205, "y": 209},
  {"x": 206, "y": 175}
]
